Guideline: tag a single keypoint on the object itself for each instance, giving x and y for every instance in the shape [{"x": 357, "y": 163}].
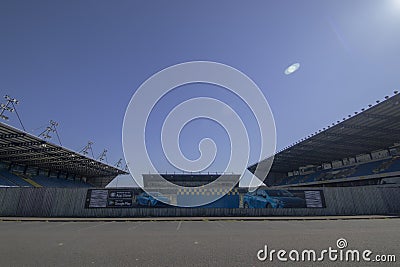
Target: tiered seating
[
  {"x": 311, "y": 177},
  {"x": 384, "y": 166},
  {"x": 368, "y": 168},
  {"x": 57, "y": 182},
  {"x": 394, "y": 165},
  {"x": 335, "y": 174},
  {"x": 4, "y": 182},
  {"x": 13, "y": 179},
  {"x": 358, "y": 170}
]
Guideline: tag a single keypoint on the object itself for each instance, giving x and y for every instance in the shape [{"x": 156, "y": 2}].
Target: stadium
[
  {"x": 341, "y": 183},
  {"x": 331, "y": 172},
  {"x": 199, "y": 133}
]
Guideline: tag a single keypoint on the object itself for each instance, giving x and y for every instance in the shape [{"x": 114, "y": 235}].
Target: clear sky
[{"x": 79, "y": 62}]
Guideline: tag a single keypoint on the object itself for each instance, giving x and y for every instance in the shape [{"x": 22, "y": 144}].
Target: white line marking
[
  {"x": 135, "y": 226},
  {"x": 220, "y": 224},
  {"x": 92, "y": 226},
  {"x": 179, "y": 226}
]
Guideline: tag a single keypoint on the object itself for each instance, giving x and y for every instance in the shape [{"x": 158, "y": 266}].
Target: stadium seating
[
  {"x": 393, "y": 165},
  {"x": 57, "y": 182},
  {"x": 368, "y": 168},
  {"x": 13, "y": 180},
  {"x": 19, "y": 180},
  {"x": 4, "y": 182},
  {"x": 353, "y": 171}
]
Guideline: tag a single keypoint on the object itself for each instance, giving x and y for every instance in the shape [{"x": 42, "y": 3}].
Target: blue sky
[{"x": 79, "y": 62}]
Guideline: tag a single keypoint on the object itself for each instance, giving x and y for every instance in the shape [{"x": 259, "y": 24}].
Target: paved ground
[
  {"x": 272, "y": 218},
  {"x": 187, "y": 243}
]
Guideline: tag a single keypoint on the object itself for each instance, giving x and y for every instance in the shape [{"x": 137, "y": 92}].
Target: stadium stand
[
  {"x": 5, "y": 183},
  {"x": 363, "y": 149},
  {"x": 28, "y": 161},
  {"x": 220, "y": 183},
  {"x": 57, "y": 182},
  {"x": 389, "y": 166},
  {"x": 21, "y": 180},
  {"x": 191, "y": 180},
  {"x": 14, "y": 179}
]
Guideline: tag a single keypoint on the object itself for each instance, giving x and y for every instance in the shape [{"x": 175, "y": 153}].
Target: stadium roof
[
  {"x": 18, "y": 147},
  {"x": 374, "y": 128}
]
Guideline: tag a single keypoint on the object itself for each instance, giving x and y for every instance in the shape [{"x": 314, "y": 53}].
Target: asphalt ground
[
  {"x": 190, "y": 243},
  {"x": 133, "y": 219}
]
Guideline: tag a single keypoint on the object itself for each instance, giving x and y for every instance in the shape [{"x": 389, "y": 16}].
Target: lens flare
[{"x": 292, "y": 68}]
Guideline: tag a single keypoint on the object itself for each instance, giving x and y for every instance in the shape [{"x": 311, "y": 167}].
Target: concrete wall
[{"x": 67, "y": 202}]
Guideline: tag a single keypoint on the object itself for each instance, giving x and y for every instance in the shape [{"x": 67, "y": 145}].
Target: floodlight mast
[
  {"x": 126, "y": 167},
  {"x": 4, "y": 108},
  {"x": 52, "y": 128},
  {"x": 85, "y": 150},
  {"x": 103, "y": 156},
  {"x": 10, "y": 107},
  {"x": 119, "y": 164}
]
